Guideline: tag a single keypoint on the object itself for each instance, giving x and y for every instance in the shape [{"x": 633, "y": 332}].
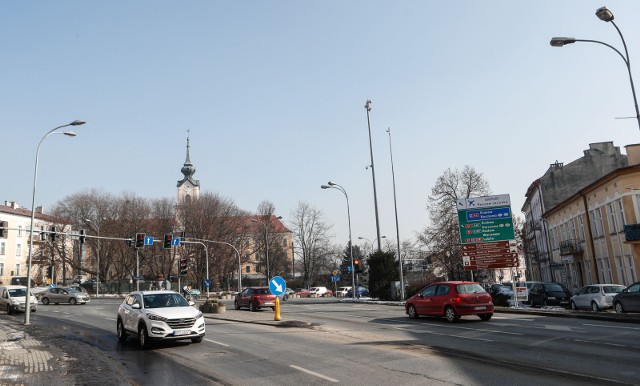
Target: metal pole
[
  {"x": 367, "y": 106},
  {"x": 266, "y": 248},
  {"x": 237, "y": 253},
  {"x": 395, "y": 206},
  {"x": 137, "y": 271},
  {"x": 98, "y": 258}
]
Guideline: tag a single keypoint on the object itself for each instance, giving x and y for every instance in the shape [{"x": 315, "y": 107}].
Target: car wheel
[
  {"x": 412, "y": 312},
  {"x": 197, "y": 340},
  {"x": 485, "y": 317},
  {"x": 252, "y": 307},
  {"x": 450, "y": 314},
  {"x": 72, "y": 301},
  {"x": 573, "y": 305},
  {"x": 236, "y": 305},
  {"x": 121, "y": 332},
  {"x": 45, "y": 301},
  {"x": 143, "y": 337},
  {"x": 594, "y": 307},
  {"x": 618, "y": 307},
  {"x": 8, "y": 309}
]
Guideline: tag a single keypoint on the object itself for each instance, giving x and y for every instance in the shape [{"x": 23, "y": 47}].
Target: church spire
[{"x": 188, "y": 169}]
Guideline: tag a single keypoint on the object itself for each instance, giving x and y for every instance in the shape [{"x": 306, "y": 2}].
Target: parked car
[
  {"x": 342, "y": 291},
  {"x": 255, "y": 298},
  {"x": 285, "y": 296},
  {"x": 59, "y": 295},
  {"x": 318, "y": 291},
  {"x": 628, "y": 300},
  {"x": 549, "y": 294},
  {"x": 159, "y": 315},
  {"x": 596, "y": 296},
  {"x": 361, "y": 292},
  {"x": 13, "y": 298},
  {"x": 528, "y": 284},
  {"x": 500, "y": 294},
  {"x": 303, "y": 292},
  {"x": 451, "y": 299}
]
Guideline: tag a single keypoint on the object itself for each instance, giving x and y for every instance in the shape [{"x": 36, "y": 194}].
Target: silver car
[
  {"x": 58, "y": 295},
  {"x": 596, "y": 296}
]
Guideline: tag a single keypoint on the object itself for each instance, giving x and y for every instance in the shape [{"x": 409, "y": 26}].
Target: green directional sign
[{"x": 480, "y": 222}]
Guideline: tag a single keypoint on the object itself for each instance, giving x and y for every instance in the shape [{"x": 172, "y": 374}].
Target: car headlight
[
  {"x": 156, "y": 317},
  {"x": 200, "y": 315},
  {"x": 14, "y": 301},
  {"x": 552, "y": 298}
]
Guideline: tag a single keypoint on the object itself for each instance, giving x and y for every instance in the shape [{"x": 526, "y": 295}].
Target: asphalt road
[{"x": 361, "y": 344}]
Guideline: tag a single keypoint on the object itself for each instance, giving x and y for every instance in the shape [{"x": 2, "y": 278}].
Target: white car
[
  {"x": 13, "y": 299},
  {"x": 342, "y": 291},
  {"x": 596, "y": 296},
  {"x": 159, "y": 315},
  {"x": 318, "y": 290}
]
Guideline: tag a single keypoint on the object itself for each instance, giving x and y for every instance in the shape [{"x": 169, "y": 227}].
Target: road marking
[
  {"x": 455, "y": 336},
  {"x": 614, "y": 344},
  {"x": 315, "y": 374},
  {"x": 602, "y": 325},
  {"x": 220, "y": 343}
]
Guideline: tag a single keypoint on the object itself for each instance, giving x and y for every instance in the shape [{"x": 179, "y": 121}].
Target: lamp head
[
  {"x": 279, "y": 217},
  {"x": 331, "y": 183},
  {"x": 561, "y": 41},
  {"x": 325, "y": 186},
  {"x": 604, "y": 14},
  {"x": 69, "y": 133},
  {"x": 77, "y": 122}
]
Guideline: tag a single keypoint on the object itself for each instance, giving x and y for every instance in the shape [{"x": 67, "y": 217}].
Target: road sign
[
  {"x": 206, "y": 283},
  {"x": 277, "y": 285},
  {"x": 335, "y": 278},
  {"x": 175, "y": 241},
  {"x": 485, "y": 219},
  {"x": 148, "y": 240}
]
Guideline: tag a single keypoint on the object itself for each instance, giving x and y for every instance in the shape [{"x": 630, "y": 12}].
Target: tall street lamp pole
[
  {"x": 266, "y": 242},
  {"x": 333, "y": 185},
  {"x": 367, "y": 106},
  {"x": 27, "y": 311},
  {"x": 395, "y": 206},
  {"x": 606, "y": 15}
]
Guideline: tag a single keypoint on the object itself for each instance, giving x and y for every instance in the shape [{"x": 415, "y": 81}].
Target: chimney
[
  {"x": 39, "y": 209},
  {"x": 633, "y": 154}
]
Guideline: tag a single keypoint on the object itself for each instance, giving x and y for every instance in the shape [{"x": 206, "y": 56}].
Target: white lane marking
[
  {"x": 220, "y": 343},
  {"x": 614, "y": 344},
  {"x": 455, "y": 336},
  {"x": 602, "y": 325},
  {"x": 315, "y": 374},
  {"x": 474, "y": 329}
]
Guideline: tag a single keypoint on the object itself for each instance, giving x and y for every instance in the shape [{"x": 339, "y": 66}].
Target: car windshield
[
  {"x": 164, "y": 300},
  {"x": 72, "y": 290},
  {"x": 612, "y": 289},
  {"x": 470, "y": 289},
  {"x": 261, "y": 291},
  {"x": 553, "y": 287},
  {"x": 18, "y": 292}
]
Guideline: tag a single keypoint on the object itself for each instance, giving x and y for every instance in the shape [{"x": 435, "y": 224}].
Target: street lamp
[
  {"x": 333, "y": 185},
  {"x": 97, "y": 255},
  {"x": 266, "y": 241},
  {"x": 606, "y": 15},
  {"x": 395, "y": 206},
  {"x": 27, "y": 311},
  {"x": 237, "y": 253},
  {"x": 371, "y": 242},
  {"x": 367, "y": 107}
]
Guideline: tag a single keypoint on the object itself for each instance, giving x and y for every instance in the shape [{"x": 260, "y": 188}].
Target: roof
[
  {"x": 256, "y": 223},
  {"x": 27, "y": 213}
]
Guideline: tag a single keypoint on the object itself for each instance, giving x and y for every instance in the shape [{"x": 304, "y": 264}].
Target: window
[
  {"x": 18, "y": 249},
  {"x": 581, "y": 227},
  {"x": 284, "y": 243},
  {"x": 17, "y": 270},
  {"x": 19, "y": 230},
  {"x": 613, "y": 224},
  {"x": 247, "y": 269},
  {"x": 1, "y": 269},
  {"x": 620, "y": 217},
  {"x": 3, "y": 248},
  {"x": 574, "y": 233}
]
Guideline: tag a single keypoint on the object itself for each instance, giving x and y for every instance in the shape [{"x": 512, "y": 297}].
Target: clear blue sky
[{"x": 273, "y": 93}]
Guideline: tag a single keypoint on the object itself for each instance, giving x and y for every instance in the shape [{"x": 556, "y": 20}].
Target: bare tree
[
  {"x": 312, "y": 242},
  {"x": 442, "y": 236}
]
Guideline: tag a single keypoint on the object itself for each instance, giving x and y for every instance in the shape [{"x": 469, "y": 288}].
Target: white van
[
  {"x": 318, "y": 290},
  {"x": 13, "y": 299}
]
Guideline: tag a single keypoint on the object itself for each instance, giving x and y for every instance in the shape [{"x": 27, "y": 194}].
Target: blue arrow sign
[
  {"x": 206, "y": 283},
  {"x": 148, "y": 240},
  {"x": 277, "y": 285},
  {"x": 175, "y": 241},
  {"x": 335, "y": 278}
]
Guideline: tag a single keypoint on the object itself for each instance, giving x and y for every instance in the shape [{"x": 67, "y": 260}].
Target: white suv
[{"x": 159, "y": 315}]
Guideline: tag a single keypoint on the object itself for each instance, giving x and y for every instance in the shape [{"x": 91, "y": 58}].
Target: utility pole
[{"x": 367, "y": 106}]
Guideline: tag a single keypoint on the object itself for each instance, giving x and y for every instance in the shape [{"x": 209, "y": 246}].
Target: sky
[{"x": 273, "y": 94}]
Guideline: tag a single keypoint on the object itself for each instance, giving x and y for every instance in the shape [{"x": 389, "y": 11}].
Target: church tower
[{"x": 188, "y": 188}]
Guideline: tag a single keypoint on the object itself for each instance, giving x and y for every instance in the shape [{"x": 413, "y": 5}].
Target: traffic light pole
[
  {"x": 206, "y": 253},
  {"x": 137, "y": 271}
]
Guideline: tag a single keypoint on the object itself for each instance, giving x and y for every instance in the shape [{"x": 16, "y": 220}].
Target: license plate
[
  {"x": 480, "y": 308},
  {"x": 182, "y": 332}
]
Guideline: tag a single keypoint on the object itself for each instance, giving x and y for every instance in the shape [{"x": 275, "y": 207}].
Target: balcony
[
  {"x": 632, "y": 233},
  {"x": 571, "y": 247}
]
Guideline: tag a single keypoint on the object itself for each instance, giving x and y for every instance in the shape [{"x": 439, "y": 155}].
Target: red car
[
  {"x": 451, "y": 299},
  {"x": 255, "y": 298}
]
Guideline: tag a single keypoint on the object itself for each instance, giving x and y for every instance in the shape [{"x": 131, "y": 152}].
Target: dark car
[
  {"x": 549, "y": 294},
  {"x": 360, "y": 293},
  {"x": 451, "y": 299},
  {"x": 500, "y": 294},
  {"x": 255, "y": 298},
  {"x": 628, "y": 300}
]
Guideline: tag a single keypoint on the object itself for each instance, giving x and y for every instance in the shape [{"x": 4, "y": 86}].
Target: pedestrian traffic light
[
  {"x": 182, "y": 266},
  {"x": 43, "y": 234},
  {"x": 52, "y": 234},
  {"x": 168, "y": 240},
  {"x": 82, "y": 237},
  {"x": 4, "y": 232},
  {"x": 139, "y": 240}
]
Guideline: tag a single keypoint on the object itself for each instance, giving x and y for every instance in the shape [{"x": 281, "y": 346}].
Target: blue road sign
[
  {"x": 335, "y": 278},
  {"x": 148, "y": 240},
  {"x": 206, "y": 283},
  {"x": 277, "y": 285},
  {"x": 175, "y": 241}
]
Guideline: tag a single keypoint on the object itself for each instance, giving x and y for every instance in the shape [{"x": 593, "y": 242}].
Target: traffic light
[
  {"x": 43, "y": 234},
  {"x": 168, "y": 240},
  {"x": 50, "y": 271},
  {"x": 82, "y": 238},
  {"x": 357, "y": 266},
  {"x": 139, "y": 240},
  {"x": 52, "y": 234},
  {"x": 182, "y": 266},
  {"x": 4, "y": 232}
]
